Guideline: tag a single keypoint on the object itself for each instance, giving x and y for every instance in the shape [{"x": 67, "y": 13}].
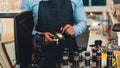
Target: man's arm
[{"x": 79, "y": 17}]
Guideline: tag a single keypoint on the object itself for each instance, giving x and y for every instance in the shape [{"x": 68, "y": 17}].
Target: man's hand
[
  {"x": 48, "y": 37},
  {"x": 68, "y": 29}
]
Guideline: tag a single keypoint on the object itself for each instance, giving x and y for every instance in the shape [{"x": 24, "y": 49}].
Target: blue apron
[{"x": 52, "y": 15}]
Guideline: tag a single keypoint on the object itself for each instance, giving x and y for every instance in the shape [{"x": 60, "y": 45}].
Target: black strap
[{"x": 45, "y": 0}]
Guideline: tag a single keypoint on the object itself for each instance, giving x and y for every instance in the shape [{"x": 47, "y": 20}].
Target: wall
[
  {"x": 7, "y": 30},
  {"x": 6, "y": 5}
]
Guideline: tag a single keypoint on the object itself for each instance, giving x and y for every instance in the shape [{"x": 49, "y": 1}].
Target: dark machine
[
  {"x": 24, "y": 43},
  {"x": 23, "y": 27}
]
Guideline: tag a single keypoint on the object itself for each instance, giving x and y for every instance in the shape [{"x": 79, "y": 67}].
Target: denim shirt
[{"x": 78, "y": 14}]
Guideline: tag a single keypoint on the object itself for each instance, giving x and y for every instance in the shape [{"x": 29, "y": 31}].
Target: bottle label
[{"x": 104, "y": 21}]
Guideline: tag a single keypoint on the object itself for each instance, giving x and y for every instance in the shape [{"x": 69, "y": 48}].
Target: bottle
[
  {"x": 65, "y": 63},
  {"x": 98, "y": 62},
  {"x": 76, "y": 60},
  {"x": 80, "y": 51},
  {"x": 67, "y": 50},
  {"x": 97, "y": 18},
  {"x": 87, "y": 60},
  {"x": 66, "y": 55},
  {"x": 94, "y": 58},
  {"x": 80, "y": 54},
  {"x": 104, "y": 59},
  {"x": 17, "y": 65},
  {"x": 104, "y": 22},
  {"x": 109, "y": 58},
  {"x": 65, "y": 58}
]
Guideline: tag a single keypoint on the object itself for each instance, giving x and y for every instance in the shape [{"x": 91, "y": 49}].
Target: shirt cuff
[{"x": 34, "y": 32}]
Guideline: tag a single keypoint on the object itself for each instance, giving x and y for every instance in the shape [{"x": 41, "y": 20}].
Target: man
[{"x": 51, "y": 16}]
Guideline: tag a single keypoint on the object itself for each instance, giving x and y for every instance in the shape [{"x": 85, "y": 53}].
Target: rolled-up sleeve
[{"x": 79, "y": 17}]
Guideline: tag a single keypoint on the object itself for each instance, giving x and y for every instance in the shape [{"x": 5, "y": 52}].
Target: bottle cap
[
  {"x": 98, "y": 53},
  {"x": 94, "y": 50},
  {"x": 76, "y": 53},
  {"x": 80, "y": 50},
  {"x": 87, "y": 53},
  {"x": 66, "y": 49},
  {"x": 65, "y": 52},
  {"x": 109, "y": 52}
]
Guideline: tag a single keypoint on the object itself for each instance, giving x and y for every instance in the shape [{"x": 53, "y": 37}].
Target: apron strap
[{"x": 44, "y": 0}]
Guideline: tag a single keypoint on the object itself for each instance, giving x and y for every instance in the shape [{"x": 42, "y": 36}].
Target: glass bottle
[
  {"x": 65, "y": 58},
  {"x": 80, "y": 51},
  {"x": 109, "y": 58},
  {"x": 94, "y": 58},
  {"x": 80, "y": 54},
  {"x": 104, "y": 21},
  {"x": 65, "y": 63},
  {"x": 76, "y": 60},
  {"x": 87, "y": 60},
  {"x": 98, "y": 62}
]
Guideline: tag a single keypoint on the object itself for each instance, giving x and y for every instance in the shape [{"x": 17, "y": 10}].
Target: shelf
[{"x": 8, "y": 15}]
